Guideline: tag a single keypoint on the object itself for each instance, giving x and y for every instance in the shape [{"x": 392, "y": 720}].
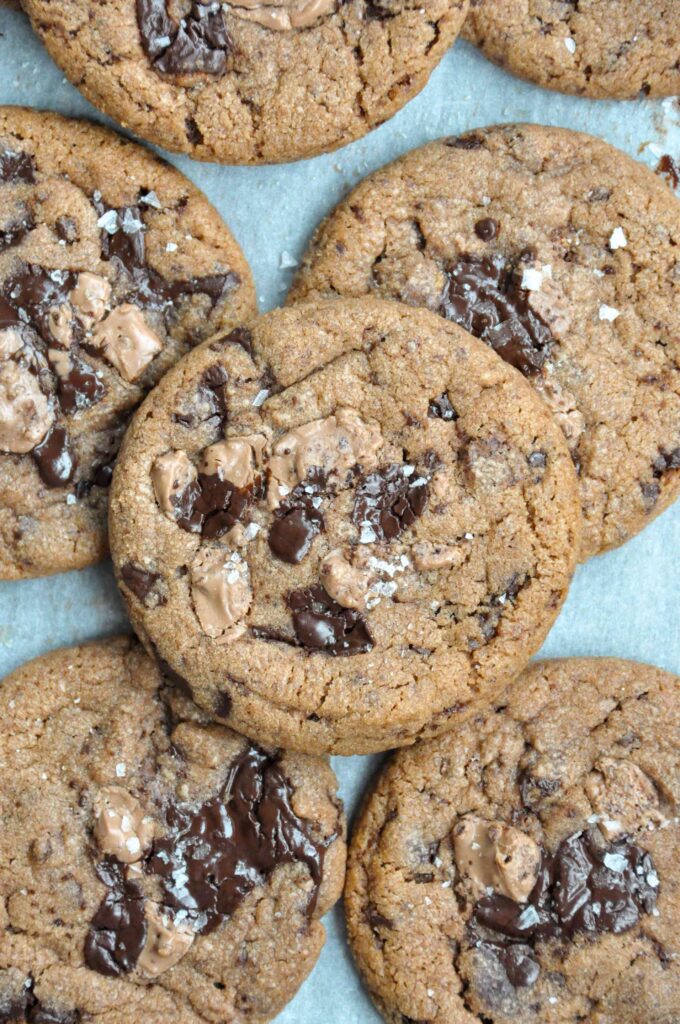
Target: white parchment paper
[{"x": 625, "y": 603}]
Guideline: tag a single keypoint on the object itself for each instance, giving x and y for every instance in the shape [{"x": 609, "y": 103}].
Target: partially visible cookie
[
  {"x": 562, "y": 254},
  {"x": 152, "y": 867},
  {"x": 601, "y": 48},
  {"x": 112, "y": 266},
  {"x": 526, "y": 866},
  {"x": 361, "y": 552},
  {"x": 250, "y": 81}
]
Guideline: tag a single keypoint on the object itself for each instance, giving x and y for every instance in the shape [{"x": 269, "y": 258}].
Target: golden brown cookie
[
  {"x": 112, "y": 266},
  {"x": 600, "y": 48},
  {"x": 562, "y": 254},
  {"x": 153, "y": 867},
  {"x": 376, "y": 536},
  {"x": 524, "y": 867},
  {"x": 251, "y": 81}
]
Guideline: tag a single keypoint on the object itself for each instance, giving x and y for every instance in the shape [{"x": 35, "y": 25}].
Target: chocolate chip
[
  {"x": 142, "y": 582},
  {"x": 17, "y": 167},
  {"x": 487, "y": 229},
  {"x": 585, "y": 887},
  {"x": 441, "y": 408},
  {"x": 213, "y": 855},
  {"x": 199, "y": 43},
  {"x": 117, "y": 932},
  {"x": 389, "y": 501},
  {"x": 483, "y": 296},
  {"x": 321, "y": 624},
  {"x": 55, "y": 459}
]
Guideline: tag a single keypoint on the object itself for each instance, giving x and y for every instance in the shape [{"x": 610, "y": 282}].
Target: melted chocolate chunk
[
  {"x": 80, "y": 388},
  {"x": 442, "y": 409},
  {"x": 199, "y": 43},
  {"x": 142, "y": 583},
  {"x": 28, "y": 296},
  {"x": 484, "y": 296},
  {"x": 389, "y": 501},
  {"x": 585, "y": 887},
  {"x": 126, "y": 246},
  {"x": 17, "y": 167},
  {"x": 213, "y": 855},
  {"x": 54, "y": 458},
  {"x": 211, "y": 506},
  {"x": 117, "y": 931},
  {"x": 487, "y": 229},
  {"x": 321, "y": 624},
  {"x": 299, "y": 520}
]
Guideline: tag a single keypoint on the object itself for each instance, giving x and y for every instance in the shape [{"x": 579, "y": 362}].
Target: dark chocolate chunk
[
  {"x": 390, "y": 500},
  {"x": 239, "y": 336},
  {"x": 17, "y": 167},
  {"x": 28, "y": 296},
  {"x": 15, "y": 231},
  {"x": 28, "y": 1007},
  {"x": 441, "y": 408},
  {"x": 142, "y": 582},
  {"x": 487, "y": 229},
  {"x": 80, "y": 388},
  {"x": 298, "y": 520},
  {"x": 54, "y": 458},
  {"x": 213, "y": 855},
  {"x": 667, "y": 460},
  {"x": 484, "y": 295},
  {"x": 465, "y": 142},
  {"x": 199, "y": 43},
  {"x": 117, "y": 932},
  {"x": 321, "y": 624},
  {"x": 585, "y": 887}
]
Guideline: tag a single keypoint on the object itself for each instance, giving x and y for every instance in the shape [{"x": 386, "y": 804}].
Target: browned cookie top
[
  {"x": 112, "y": 266},
  {"x": 377, "y": 534},
  {"x": 601, "y": 48},
  {"x": 250, "y": 81},
  {"x": 525, "y": 867},
  {"x": 562, "y": 254},
  {"x": 153, "y": 867}
]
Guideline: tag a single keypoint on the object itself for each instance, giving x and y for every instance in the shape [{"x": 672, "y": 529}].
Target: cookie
[
  {"x": 610, "y": 49},
  {"x": 562, "y": 254},
  {"x": 153, "y": 867},
  {"x": 112, "y": 266},
  {"x": 525, "y": 867},
  {"x": 249, "y": 82},
  {"x": 364, "y": 550}
]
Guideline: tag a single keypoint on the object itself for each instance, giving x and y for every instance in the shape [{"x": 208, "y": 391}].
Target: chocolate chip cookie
[
  {"x": 153, "y": 867},
  {"x": 525, "y": 867},
  {"x": 376, "y": 534},
  {"x": 600, "y": 48},
  {"x": 250, "y": 81},
  {"x": 561, "y": 253},
  {"x": 112, "y": 266}
]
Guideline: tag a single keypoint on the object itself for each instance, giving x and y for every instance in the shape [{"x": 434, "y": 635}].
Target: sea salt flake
[
  {"x": 570, "y": 44},
  {"x": 618, "y": 239},
  {"x": 287, "y": 261},
  {"x": 615, "y": 862},
  {"x": 532, "y": 279},
  {"x": 260, "y": 398},
  {"x": 109, "y": 222},
  {"x": 171, "y": 247},
  {"x": 608, "y": 313},
  {"x": 120, "y": 770},
  {"x": 151, "y": 199}
]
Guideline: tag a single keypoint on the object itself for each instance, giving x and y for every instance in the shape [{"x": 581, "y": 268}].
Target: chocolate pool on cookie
[
  {"x": 524, "y": 867},
  {"x": 112, "y": 266},
  {"x": 249, "y": 81},
  {"x": 156, "y": 867},
  {"x": 374, "y": 531},
  {"x": 559, "y": 252}
]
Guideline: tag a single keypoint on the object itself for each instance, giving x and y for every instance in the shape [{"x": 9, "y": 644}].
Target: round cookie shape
[
  {"x": 112, "y": 266},
  {"x": 371, "y": 548},
  {"x": 610, "y": 49},
  {"x": 525, "y": 865},
  {"x": 156, "y": 867},
  {"x": 249, "y": 82},
  {"x": 562, "y": 254}
]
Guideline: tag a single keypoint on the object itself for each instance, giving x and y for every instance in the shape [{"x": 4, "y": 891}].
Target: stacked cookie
[{"x": 342, "y": 527}]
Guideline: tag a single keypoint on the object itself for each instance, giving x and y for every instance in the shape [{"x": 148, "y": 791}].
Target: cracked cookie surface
[
  {"x": 112, "y": 266},
  {"x": 249, "y": 82},
  {"x": 154, "y": 866},
  {"x": 600, "y": 48},
  {"x": 562, "y": 254},
  {"x": 376, "y": 535},
  {"x": 525, "y": 865}
]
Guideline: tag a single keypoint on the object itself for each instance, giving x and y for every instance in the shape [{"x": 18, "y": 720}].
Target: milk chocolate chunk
[
  {"x": 214, "y": 855},
  {"x": 497, "y": 856},
  {"x": 25, "y": 412},
  {"x": 122, "y": 829},
  {"x": 484, "y": 295},
  {"x": 388, "y": 502},
  {"x": 127, "y": 341},
  {"x": 321, "y": 624},
  {"x": 282, "y": 15},
  {"x": 167, "y": 941},
  {"x": 199, "y": 43},
  {"x": 343, "y": 582},
  {"x": 221, "y": 592},
  {"x": 173, "y": 476}
]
